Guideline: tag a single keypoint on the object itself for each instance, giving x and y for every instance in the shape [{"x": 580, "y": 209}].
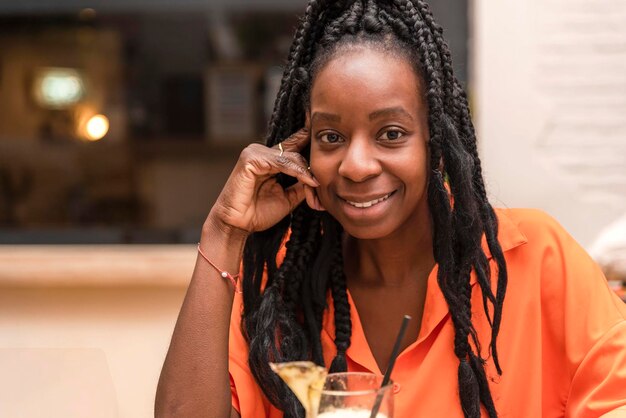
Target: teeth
[{"x": 370, "y": 203}]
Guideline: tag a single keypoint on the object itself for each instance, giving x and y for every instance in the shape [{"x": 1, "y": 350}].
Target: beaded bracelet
[{"x": 223, "y": 273}]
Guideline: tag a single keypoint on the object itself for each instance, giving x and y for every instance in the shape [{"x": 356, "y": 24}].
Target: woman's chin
[{"x": 367, "y": 232}]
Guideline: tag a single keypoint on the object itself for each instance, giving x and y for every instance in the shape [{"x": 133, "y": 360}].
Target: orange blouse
[{"x": 562, "y": 341}]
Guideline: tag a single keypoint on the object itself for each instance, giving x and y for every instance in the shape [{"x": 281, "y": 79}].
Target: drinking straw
[{"x": 392, "y": 362}]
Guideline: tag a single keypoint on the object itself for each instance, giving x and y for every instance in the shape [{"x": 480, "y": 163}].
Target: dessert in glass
[{"x": 337, "y": 395}]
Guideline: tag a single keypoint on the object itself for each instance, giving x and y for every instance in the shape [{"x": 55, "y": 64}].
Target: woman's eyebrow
[
  {"x": 390, "y": 111},
  {"x": 386, "y": 112},
  {"x": 327, "y": 117}
]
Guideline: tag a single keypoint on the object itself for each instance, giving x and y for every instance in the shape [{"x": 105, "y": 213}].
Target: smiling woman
[{"x": 336, "y": 253}]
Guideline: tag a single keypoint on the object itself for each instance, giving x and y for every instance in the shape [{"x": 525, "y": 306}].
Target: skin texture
[
  {"x": 252, "y": 200},
  {"x": 369, "y": 135}
]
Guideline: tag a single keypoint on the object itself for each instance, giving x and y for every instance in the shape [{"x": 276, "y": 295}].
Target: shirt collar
[
  {"x": 509, "y": 234},
  {"x": 435, "y": 308}
]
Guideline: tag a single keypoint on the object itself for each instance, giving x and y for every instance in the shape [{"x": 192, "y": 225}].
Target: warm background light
[
  {"x": 97, "y": 127},
  {"x": 58, "y": 88}
]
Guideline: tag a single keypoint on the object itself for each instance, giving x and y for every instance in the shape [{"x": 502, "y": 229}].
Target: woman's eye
[
  {"x": 331, "y": 138},
  {"x": 392, "y": 135}
]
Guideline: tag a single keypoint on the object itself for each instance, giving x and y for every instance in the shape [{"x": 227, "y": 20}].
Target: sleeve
[
  {"x": 247, "y": 397},
  {"x": 591, "y": 327},
  {"x": 599, "y": 383}
]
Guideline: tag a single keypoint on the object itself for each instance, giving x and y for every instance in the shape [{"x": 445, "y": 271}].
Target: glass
[{"x": 353, "y": 395}]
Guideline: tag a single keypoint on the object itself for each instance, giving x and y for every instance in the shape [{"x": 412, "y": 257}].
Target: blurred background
[
  {"x": 121, "y": 119},
  {"x": 120, "y": 123}
]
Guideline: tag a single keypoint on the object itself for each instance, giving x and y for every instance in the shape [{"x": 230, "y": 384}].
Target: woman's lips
[
  {"x": 366, "y": 209},
  {"x": 367, "y": 203}
]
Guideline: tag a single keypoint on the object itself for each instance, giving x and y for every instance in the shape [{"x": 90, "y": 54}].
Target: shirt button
[{"x": 396, "y": 388}]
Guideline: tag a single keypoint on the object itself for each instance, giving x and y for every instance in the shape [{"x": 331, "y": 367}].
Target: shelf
[{"x": 96, "y": 265}]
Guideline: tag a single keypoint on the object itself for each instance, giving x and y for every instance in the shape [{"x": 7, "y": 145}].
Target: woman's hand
[{"x": 252, "y": 200}]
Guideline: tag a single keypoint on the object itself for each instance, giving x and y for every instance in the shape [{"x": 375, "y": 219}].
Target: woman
[{"x": 390, "y": 218}]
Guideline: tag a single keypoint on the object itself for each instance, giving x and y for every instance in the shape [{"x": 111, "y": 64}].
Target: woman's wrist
[
  {"x": 220, "y": 249},
  {"x": 217, "y": 234}
]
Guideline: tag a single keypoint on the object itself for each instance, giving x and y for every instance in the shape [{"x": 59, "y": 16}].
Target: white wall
[
  {"x": 84, "y": 329},
  {"x": 84, "y": 352},
  {"x": 549, "y": 80}
]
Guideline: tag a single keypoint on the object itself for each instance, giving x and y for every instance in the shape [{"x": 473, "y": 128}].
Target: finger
[
  {"x": 295, "y": 195},
  {"x": 312, "y": 200},
  {"x": 294, "y": 165},
  {"x": 262, "y": 162},
  {"x": 297, "y": 141}
]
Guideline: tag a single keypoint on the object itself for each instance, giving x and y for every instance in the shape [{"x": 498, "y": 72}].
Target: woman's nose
[{"x": 360, "y": 162}]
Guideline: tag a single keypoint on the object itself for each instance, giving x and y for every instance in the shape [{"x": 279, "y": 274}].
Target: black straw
[{"x": 392, "y": 362}]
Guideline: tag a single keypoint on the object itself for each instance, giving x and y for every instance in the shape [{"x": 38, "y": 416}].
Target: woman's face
[{"x": 369, "y": 134}]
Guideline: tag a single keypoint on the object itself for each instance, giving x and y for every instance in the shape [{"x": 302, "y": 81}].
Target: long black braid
[{"x": 282, "y": 316}]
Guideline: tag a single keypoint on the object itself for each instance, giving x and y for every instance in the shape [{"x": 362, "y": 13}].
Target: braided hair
[{"x": 284, "y": 305}]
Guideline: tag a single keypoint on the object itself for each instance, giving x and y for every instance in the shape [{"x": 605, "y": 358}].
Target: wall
[
  {"x": 550, "y": 93},
  {"x": 84, "y": 329}
]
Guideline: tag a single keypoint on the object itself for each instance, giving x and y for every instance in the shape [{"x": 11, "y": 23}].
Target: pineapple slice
[{"x": 306, "y": 380}]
